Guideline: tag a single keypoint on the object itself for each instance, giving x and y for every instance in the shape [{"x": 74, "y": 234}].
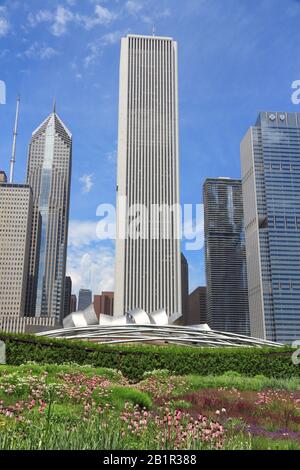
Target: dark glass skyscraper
[
  {"x": 85, "y": 299},
  {"x": 270, "y": 155},
  {"x": 227, "y": 295},
  {"x": 185, "y": 289},
  {"x": 68, "y": 294}
]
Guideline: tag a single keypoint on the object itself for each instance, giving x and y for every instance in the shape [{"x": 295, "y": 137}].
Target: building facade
[
  {"x": 270, "y": 157},
  {"x": 67, "y": 299},
  {"x": 225, "y": 256},
  {"x": 3, "y": 177},
  {"x": 49, "y": 174},
  {"x": 85, "y": 299},
  {"x": 148, "y": 267},
  {"x": 197, "y": 307},
  {"x": 15, "y": 231},
  {"x": 28, "y": 325},
  {"x": 73, "y": 303},
  {"x": 104, "y": 304},
  {"x": 184, "y": 289}
]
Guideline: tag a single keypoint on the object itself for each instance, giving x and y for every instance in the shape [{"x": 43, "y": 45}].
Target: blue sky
[{"x": 236, "y": 58}]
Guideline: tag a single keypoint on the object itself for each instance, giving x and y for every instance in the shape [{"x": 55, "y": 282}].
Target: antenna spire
[
  {"x": 54, "y": 105},
  {"x": 13, "y": 153}
]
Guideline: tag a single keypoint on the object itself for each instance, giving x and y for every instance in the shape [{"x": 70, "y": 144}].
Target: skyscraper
[
  {"x": 148, "y": 270},
  {"x": 73, "y": 303},
  {"x": 270, "y": 156},
  {"x": 185, "y": 288},
  {"x": 15, "y": 231},
  {"x": 197, "y": 307},
  {"x": 85, "y": 299},
  {"x": 49, "y": 174},
  {"x": 67, "y": 298},
  {"x": 104, "y": 303},
  {"x": 226, "y": 273}
]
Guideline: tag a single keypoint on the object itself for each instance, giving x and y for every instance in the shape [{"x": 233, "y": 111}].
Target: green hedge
[{"x": 134, "y": 360}]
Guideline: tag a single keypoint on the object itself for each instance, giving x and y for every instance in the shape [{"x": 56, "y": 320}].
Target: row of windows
[{"x": 286, "y": 222}]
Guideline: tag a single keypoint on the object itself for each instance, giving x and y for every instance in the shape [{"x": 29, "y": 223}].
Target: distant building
[
  {"x": 185, "y": 289},
  {"x": 197, "y": 307},
  {"x": 29, "y": 325},
  {"x": 73, "y": 303},
  {"x": 104, "y": 304},
  {"x": 270, "y": 157},
  {"x": 3, "y": 177},
  {"x": 68, "y": 293},
  {"x": 225, "y": 253},
  {"x": 15, "y": 231},
  {"x": 49, "y": 175},
  {"x": 85, "y": 299}
]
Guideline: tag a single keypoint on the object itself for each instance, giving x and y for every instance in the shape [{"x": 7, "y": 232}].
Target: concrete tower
[{"x": 148, "y": 267}]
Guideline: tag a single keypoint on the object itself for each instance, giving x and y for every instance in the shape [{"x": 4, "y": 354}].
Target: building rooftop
[{"x": 142, "y": 36}]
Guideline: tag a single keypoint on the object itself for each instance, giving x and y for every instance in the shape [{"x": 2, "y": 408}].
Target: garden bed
[{"x": 73, "y": 407}]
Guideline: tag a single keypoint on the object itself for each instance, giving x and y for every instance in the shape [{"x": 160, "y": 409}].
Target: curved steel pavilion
[{"x": 139, "y": 327}]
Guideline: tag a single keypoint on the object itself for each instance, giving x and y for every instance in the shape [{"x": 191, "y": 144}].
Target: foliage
[{"x": 133, "y": 361}]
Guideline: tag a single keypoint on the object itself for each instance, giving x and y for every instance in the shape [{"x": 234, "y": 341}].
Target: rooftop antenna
[
  {"x": 54, "y": 105},
  {"x": 13, "y": 154}
]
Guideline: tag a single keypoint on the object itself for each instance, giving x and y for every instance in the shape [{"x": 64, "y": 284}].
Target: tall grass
[{"x": 256, "y": 384}]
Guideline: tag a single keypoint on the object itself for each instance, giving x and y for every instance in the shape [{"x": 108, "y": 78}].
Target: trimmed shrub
[{"x": 134, "y": 360}]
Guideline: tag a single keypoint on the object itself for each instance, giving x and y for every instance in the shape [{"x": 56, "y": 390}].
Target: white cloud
[
  {"x": 63, "y": 16},
  {"x": 90, "y": 261},
  {"x": 82, "y": 233},
  {"x": 4, "y": 23},
  {"x": 40, "y": 51},
  {"x": 58, "y": 19},
  {"x": 112, "y": 38},
  {"x": 91, "y": 268},
  {"x": 40, "y": 17},
  {"x": 95, "y": 48},
  {"x": 87, "y": 183},
  {"x": 156, "y": 15},
  {"x": 102, "y": 17},
  {"x": 133, "y": 7}
]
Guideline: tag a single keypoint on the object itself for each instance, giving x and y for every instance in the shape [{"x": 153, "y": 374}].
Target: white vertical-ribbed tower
[{"x": 148, "y": 273}]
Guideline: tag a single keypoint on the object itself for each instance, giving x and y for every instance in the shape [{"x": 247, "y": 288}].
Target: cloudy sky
[{"x": 236, "y": 58}]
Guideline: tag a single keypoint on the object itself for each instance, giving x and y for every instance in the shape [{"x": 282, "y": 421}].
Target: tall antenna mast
[{"x": 13, "y": 154}]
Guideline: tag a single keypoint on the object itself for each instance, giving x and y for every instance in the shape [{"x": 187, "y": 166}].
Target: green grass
[
  {"x": 121, "y": 395},
  {"x": 261, "y": 443},
  {"x": 257, "y": 383},
  {"x": 181, "y": 404},
  {"x": 61, "y": 435}
]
